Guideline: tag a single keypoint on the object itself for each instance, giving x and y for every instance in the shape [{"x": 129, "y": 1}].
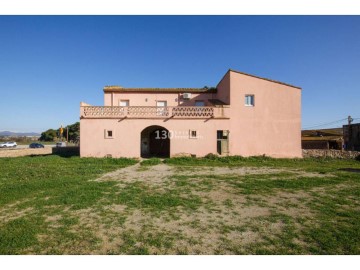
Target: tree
[
  {"x": 48, "y": 135},
  {"x": 52, "y": 134},
  {"x": 74, "y": 131}
]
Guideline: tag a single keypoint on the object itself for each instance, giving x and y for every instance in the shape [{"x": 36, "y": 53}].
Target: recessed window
[
  {"x": 161, "y": 109},
  {"x": 109, "y": 134},
  {"x": 193, "y": 134},
  {"x": 199, "y": 103},
  {"x": 249, "y": 100},
  {"x": 124, "y": 103}
]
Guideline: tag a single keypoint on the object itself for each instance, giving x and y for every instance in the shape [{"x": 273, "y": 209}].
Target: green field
[{"x": 234, "y": 205}]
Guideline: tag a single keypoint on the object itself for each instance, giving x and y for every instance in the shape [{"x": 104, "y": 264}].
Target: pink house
[{"x": 243, "y": 115}]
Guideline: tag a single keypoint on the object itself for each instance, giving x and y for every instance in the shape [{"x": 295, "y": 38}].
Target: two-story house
[{"x": 243, "y": 115}]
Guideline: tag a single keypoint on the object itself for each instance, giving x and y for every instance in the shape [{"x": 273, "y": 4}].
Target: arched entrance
[{"x": 155, "y": 142}]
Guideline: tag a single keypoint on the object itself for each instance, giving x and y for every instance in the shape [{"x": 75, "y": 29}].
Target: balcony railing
[{"x": 152, "y": 112}]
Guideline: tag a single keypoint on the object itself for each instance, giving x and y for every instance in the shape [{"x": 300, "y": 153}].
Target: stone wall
[{"x": 330, "y": 153}]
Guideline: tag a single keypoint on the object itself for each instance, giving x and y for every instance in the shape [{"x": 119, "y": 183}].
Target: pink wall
[
  {"x": 150, "y": 99},
  {"x": 273, "y": 126},
  {"x": 223, "y": 87},
  {"x": 127, "y": 135}
]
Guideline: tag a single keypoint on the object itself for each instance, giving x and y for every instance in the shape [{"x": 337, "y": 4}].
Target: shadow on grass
[
  {"x": 42, "y": 155},
  {"x": 350, "y": 170},
  {"x": 68, "y": 151}
]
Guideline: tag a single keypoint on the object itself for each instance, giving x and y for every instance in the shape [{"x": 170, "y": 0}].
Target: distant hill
[{"x": 17, "y": 134}]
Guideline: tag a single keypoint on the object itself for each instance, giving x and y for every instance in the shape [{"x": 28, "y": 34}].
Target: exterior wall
[
  {"x": 271, "y": 127},
  {"x": 224, "y": 89},
  {"x": 352, "y": 137},
  {"x": 127, "y": 136},
  {"x": 150, "y": 99},
  {"x": 315, "y": 144}
]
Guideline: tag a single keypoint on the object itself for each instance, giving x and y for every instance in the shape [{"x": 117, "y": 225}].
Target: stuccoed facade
[{"x": 243, "y": 115}]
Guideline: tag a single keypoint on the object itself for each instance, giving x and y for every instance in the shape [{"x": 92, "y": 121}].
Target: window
[
  {"x": 161, "y": 110},
  {"x": 192, "y": 134},
  {"x": 199, "y": 103},
  {"x": 124, "y": 103},
  {"x": 222, "y": 134},
  {"x": 109, "y": 134},
  {"x": 249, "y": 100}
]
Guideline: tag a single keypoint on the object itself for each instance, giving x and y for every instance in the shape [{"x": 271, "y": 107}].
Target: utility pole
[
  {"x": 350, "y": 120},
  {"x": 67, "y": 134}
]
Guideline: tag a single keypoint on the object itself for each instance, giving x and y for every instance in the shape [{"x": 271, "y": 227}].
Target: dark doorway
[
  {"x": 155, "y": 142},
  {"x": 222, "y": 142}
]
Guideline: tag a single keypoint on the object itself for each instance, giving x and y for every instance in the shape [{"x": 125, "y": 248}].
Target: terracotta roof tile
[{"x": 163, "y": 90}]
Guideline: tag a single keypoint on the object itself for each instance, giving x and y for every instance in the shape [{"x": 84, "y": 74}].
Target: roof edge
[
  {"x": 155, "y": 89},
  {"x": 262, "y": 78},
  {"x": 223, "y": 77}
]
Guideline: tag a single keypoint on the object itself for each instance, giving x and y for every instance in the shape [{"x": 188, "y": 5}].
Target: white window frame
[
  {"x": 252, "y": 100},
  {"x": 161, "y": 110},
  {"x": 127, "y": 102}
]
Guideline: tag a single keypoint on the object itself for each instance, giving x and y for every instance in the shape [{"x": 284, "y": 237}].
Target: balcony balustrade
[{"x": 141, "y": 112}]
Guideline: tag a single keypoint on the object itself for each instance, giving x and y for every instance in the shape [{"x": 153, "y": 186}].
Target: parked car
[
  {"x": 60, "y": 144},
  {"x": 8, "y": 144},
  {"x": 36, "y": 145}
]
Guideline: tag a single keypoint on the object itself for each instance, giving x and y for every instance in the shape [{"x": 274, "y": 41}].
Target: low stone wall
[{"x": 330, "y": 153}]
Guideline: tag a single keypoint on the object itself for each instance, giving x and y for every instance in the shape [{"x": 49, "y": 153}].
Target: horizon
[{"x": 52, "y": 63}]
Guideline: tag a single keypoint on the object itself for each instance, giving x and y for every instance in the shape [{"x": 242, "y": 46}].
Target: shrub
[{"x": 211, "y": 156}]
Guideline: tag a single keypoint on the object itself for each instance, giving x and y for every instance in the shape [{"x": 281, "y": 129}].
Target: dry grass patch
[{"x": 100, "y": 207}]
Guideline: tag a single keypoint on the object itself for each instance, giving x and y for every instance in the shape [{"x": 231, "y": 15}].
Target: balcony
[{"x": 148, "y": 112}]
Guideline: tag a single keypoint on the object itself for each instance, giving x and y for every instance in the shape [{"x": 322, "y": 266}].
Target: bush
[{"x": 211, "y": 156}]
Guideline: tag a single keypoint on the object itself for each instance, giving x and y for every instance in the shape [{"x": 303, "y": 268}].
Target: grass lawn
[{"x": 55, "y": 205}]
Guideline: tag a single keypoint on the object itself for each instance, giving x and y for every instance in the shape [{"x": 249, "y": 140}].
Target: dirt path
[{"x": 160, "y": 173}]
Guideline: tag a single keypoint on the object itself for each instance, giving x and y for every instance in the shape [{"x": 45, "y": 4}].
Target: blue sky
[{"x": 48, "y": 64}]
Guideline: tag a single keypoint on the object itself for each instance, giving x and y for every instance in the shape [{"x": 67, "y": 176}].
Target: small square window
[
  {"x": 193, "y": 134},
  {"x": 109, "y": 134},
  {"x": 249, "y": 100}
]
